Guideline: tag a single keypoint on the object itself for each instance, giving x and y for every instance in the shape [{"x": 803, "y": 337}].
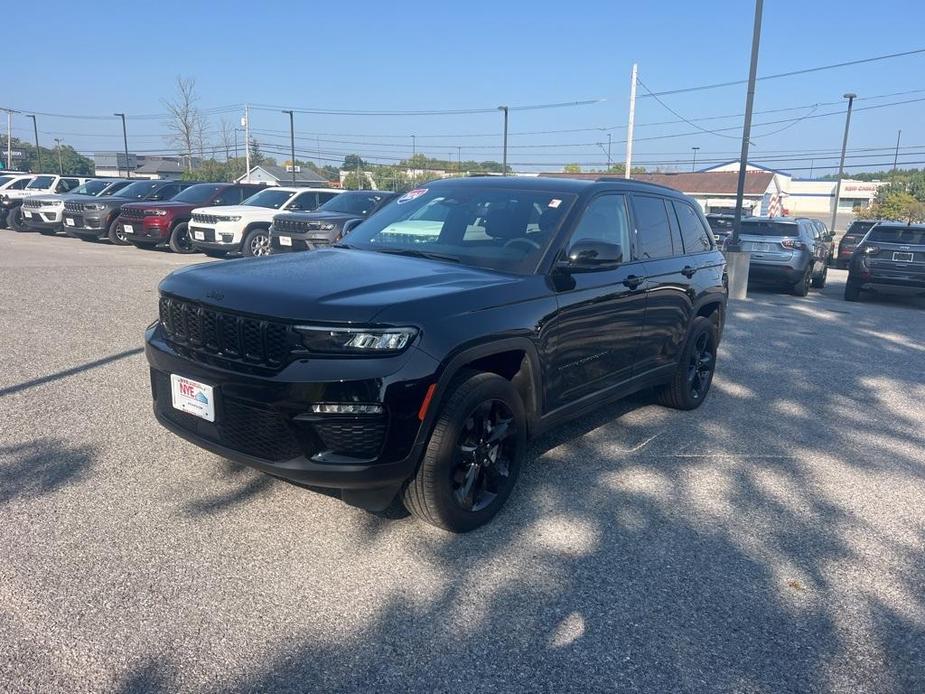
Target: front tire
[
  {"x": 256, "y": 243},
  {"x": 852, "y": 291},
  {"x": 691, "y": 382},
  {"x": 116, "y": 235},
  {"x": 801, "y": 288},
  {"x": 473, "y": 457},
  {"x": 180, "y": 241},
  {"x": 15, "y": 221}
]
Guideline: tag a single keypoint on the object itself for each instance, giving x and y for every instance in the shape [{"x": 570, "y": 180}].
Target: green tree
[
  {"x": 895, "y": 205},
  {"x": 572, "y": 168},
  {"x": 72, "y": 162},
  {"x": 213, "y": 171},
  {"x": 352, "y": 162},
  {"x": 257, "y": 157}
]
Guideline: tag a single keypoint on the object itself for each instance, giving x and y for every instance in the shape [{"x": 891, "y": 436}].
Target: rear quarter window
[
  {"x": 653, "y": 233},
  {"x": 693, "y": 232}
]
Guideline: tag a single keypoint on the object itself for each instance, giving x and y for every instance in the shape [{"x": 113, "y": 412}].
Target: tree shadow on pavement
[
  {"x": 769, "y": 541},
  {"x": 40, "y": 467}
]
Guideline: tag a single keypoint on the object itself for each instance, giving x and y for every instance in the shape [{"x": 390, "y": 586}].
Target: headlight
[
  {"x": 356, "y": 340},
  {"x": 229, "y": 219},
  {"x": 94, "y": 206},
  {"x": 57, "y": 203},
  {"x": 155, "y": 213},
  {"x": 327, "y": 226}
]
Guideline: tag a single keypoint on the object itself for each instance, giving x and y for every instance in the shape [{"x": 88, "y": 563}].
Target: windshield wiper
[{"x": 415, "y": 253}]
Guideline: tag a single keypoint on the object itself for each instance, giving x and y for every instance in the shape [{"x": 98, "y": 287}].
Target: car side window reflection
[{"x": 604, "y": 220}]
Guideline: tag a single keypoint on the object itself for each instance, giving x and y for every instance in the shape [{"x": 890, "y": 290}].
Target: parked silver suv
[{"x": 787, "y": 250}]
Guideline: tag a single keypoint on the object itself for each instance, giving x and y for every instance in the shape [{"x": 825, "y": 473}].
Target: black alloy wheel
[
  {"x": 485, "y": 451},
  {"x": 700, "y": 366}
]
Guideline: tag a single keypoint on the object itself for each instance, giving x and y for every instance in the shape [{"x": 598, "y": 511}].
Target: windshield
[
  {"x": 138, "y": 190},
  {"x": 198, "y": 194},
  {"x": 114, "y": 188},
  {"x": 770, "y": 229},
  {"x": 352, "y": 203},
  {"x": 720, "y": 224},
  {"x": 486, "y": 226},
  {"x": 89, "y": 188},
  {"x": 40, "y": 182},
  {"x": 859, "y": 228},
  {"x": 910, "y": 236},
  {"x": 272, "y": 199}
]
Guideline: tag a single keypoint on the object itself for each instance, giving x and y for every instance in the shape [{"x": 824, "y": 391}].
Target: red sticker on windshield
[{"x": 411, "y": 195}]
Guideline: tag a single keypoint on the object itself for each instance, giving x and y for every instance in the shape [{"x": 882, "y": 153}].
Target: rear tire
[
  {"x": 256, "y": 243},
  {"x": 691, "y": 382},
  {"x": 473, "y": 456},
  {"x": 801, "y": 288},
  {"x": 180, "y": 241},
  {"x": 116, "y": 236},
  {"x": 819, "y": 282},
  {"x": 852, "y": 291}
]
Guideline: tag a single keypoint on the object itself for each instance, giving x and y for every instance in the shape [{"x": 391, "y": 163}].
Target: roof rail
[{"x": 636, "y": 181}]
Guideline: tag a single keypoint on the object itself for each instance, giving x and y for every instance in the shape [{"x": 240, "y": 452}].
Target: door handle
[
  {"x": 688, "y": 271},
  {"x": 633, "y": 281}
]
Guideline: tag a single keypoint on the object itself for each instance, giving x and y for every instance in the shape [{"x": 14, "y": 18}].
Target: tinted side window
[
  {"x": 304, "y": 201},
  {"x": 693, "y": 233},
  {"x": 604, "y": 219},
  {"x": 229, "y": 196},
  {"x": 324, "y": 197},
  {"x": 165, "y": 192},
  {"x": 20, "y": 184},
  {"x": 653, "y": 234}
]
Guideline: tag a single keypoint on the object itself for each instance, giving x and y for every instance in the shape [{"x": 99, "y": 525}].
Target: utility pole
[
  {"x": 237, "y": 152},
  {"x": 737, "y": 260},
  {"x": 629, "y": 124},
  {"x": 413, "y": 154},
  {"x": 459, "y": 158},
  {"x": 609, "y": 142},
  {"x": 246, "y": 123},
  {"x": 896, "y": 154},
  {"x": 292, "y": 142},
  {"x": 128, "y": 168},
  {"x": 850, "y": 96},
  {"x": 694, "y": 160},
  {"x": 38, "y": 152},
  {"x": 9, "y": 137},
  {"x": 58, "y": 148},
  {"x": 504, "y": 156}
]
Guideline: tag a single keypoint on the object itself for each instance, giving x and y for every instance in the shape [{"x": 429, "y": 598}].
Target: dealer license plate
[
  {"x": 285, "y": 241},
  {"x": 903, "y": 257},
  {"x": 128, "y": 229},
  {"x": 199, "y": 236},
  {"x": 27, "y": 215},
  {"x": 68, "y": 222},
  {"x": 192, "y": 397}
]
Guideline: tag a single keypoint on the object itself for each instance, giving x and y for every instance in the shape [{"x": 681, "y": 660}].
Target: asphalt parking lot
[{"x": 773, "y": 540}]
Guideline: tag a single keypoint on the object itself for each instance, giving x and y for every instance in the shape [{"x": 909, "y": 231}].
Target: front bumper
[
  {"x": 85, "y": 224},
  {"x": 147, "y": 230},
  {"x": 264, "y": 420},
  {"x": 38, "y": 218},
  {"x": 224, "y": 236},
  {"x": 297, "y": 242}
]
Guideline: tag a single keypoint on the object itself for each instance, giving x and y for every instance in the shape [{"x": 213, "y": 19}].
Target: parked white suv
[
  {"x": 41, "y": 184},
  {"x": 8, "y": 183},
  {"x": 44, "y": 213},
  {"x": 245, "y": 228}
]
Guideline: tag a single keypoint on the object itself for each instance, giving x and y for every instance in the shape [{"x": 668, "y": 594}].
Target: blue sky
[{"x": 459, "y": 55}]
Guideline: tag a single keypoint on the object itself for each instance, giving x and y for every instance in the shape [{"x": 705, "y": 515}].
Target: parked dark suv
[
  {"x": 93, "y": 220},
  {"x": 851, "y": 239},
  {"x": 463, "y": 318},
  {"x": 147, "y": 225},
  {"x": 891, "y": 254},
  {"x": 303, "y": 231}
]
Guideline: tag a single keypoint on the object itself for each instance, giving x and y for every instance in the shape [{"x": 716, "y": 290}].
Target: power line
[{"x": 791, "y": 73}]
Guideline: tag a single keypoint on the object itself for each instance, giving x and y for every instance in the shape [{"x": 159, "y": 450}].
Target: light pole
[
  {"x": 128, "y": 169},
  {"x": 38, "y": 152},
  {"x": 58, "y": 149},
  {"x": 850, "y": 96},
  {"x": 459, "y": 158},
  {"x": 414, "y": 149},
  {"x": 504, "y": 109},
  {"x": 237, "y": 153},
  {"x": 292, "y": 142},
  {"x": 896, "y": 153},
  {"x": 737, "y": 261},
  {"x": 694, "y": 159}
]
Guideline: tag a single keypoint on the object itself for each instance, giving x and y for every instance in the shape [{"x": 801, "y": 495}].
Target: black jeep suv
[
  {"x": 417, "y": 358},
  {"x": 304, "y": 231},
  {"x": 891, "y": 254}
]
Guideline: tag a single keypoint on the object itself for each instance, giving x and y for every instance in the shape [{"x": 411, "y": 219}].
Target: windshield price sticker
[{"x": 412, "y": 195}]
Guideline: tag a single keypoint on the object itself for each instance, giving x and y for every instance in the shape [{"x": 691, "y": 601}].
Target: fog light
[
  {"x": 227, "y": 238},
  {"x": 345, "y": 408}
]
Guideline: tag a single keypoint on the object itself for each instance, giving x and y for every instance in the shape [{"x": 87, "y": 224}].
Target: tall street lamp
[
  {"x": 292, "y": 142},
  {"x": 850, "y": 96},
  {"x": 38, "y": 152},
  {"x": 128, "y": 168},
  {"x": 694, "y": 159},
  {"x": 504, "y": 109},
  {"x": 58, "y": 149}
]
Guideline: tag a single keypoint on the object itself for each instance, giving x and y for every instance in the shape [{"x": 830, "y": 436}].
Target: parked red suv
[{"x": 150, "y": 224}]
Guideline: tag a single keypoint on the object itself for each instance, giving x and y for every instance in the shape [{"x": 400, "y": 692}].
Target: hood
[
  {"x": 241, "y": 210},
  {"x": 337, "y": 285},
  {"x": 321, "y": 215},
  {"x": 160, "y": 204}
]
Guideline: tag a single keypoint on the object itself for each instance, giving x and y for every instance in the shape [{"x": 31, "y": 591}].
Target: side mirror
[{"x": 587, "y": 255}]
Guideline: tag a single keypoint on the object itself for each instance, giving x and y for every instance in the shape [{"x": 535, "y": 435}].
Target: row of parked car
[{"x": 215, "y": 218}]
